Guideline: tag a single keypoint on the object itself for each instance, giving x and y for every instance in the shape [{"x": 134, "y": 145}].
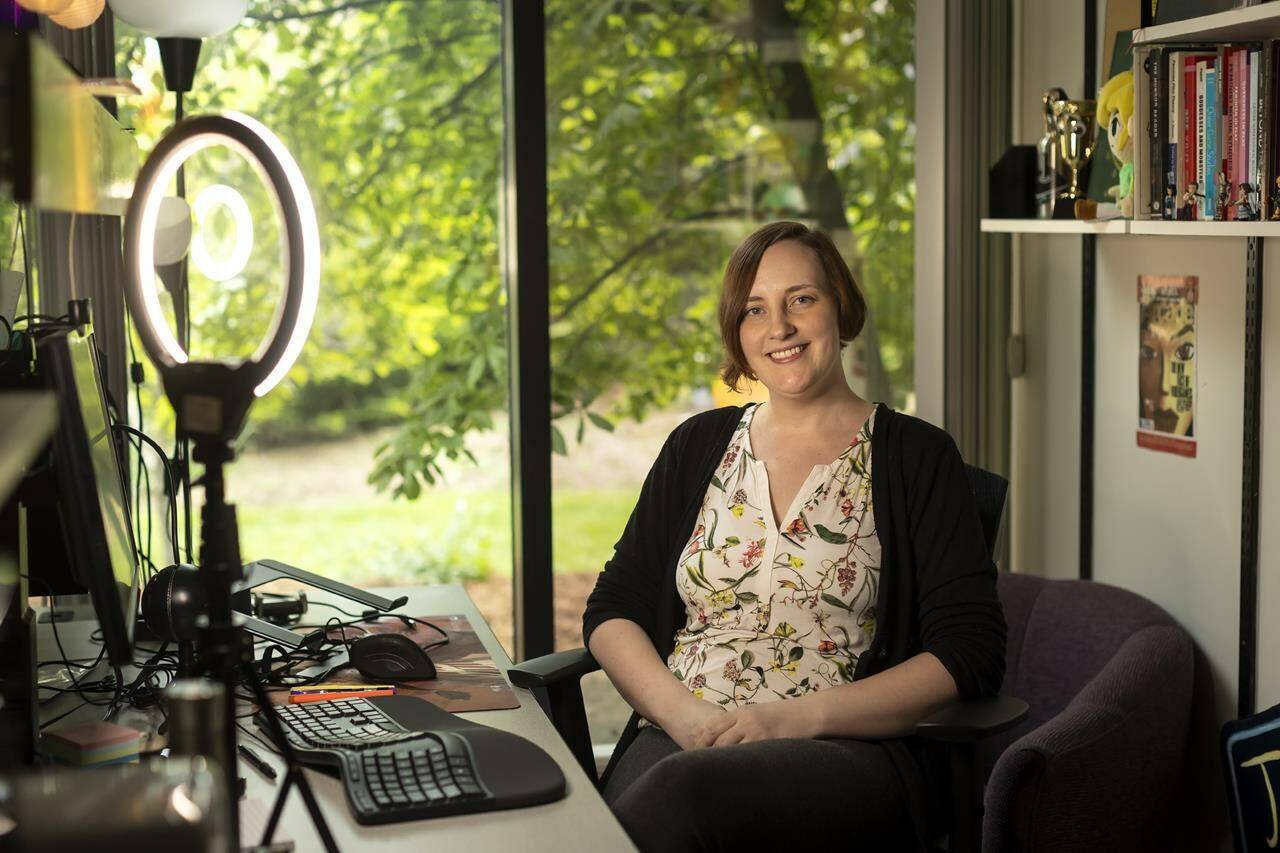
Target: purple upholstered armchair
[{"x": 1095, "y": 765}]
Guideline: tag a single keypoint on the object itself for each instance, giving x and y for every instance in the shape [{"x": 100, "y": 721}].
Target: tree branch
[
  {"x": 677, "y": 195},
  {"x": 318, "y": 13},
  {"x": 418, "y": 45},
  {"x": 648, "y": 242},
  {"x": 627, "y": 257},
  {"x": 438, "y": 116},
  {"x": 442, "y": 113}
]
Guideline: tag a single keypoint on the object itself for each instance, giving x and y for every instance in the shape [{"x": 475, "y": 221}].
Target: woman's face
[
  {"x": 790, "y": 331},
  {"x": 1167, "y": 367}
]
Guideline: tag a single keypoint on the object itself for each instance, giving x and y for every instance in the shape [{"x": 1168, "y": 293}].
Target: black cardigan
[{"x": 937, "y": 581}]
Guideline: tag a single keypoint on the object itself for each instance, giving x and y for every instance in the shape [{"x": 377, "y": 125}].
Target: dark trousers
[{"x": 746, "y": 796}]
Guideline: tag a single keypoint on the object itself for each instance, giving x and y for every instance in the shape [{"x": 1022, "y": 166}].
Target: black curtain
[{"x": 978, "y": 131}]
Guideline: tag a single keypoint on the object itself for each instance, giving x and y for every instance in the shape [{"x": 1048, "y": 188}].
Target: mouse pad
[{"x": 467, "y": 678}]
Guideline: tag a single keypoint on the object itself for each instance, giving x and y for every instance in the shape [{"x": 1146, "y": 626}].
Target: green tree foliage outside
[{"x": 674, "y": 128}]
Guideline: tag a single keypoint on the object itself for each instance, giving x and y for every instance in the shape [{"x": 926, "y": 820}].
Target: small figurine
[
  {"x": 1246, "y": 207},
  {"x": 1221, "y": 198},
  {"x": 1275, "y": 202},
  {"x": 1115, "y": 112},
  {"x": 1170, "y": 204},
  {"x": 1188, "y": 209}
]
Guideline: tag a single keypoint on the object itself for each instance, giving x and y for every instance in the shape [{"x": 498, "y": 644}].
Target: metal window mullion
[
  {"x": 526, "y": 270},
  {"x": 1088, "y": 377},
  {"x": 1250, "y": 480},
  {"x": 1088, "y": 328}
]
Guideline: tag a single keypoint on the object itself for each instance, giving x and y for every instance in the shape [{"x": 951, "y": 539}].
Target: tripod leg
[
  {"x": 277, "y": 808},
  {"x": 294, "y": 774},
  {"x": 309, "y": 797}
]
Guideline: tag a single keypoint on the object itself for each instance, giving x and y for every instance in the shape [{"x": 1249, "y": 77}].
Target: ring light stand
[{"x": 212, "y": 398}]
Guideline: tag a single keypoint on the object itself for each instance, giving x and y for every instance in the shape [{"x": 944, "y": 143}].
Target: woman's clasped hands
[{"x": 707, "y": 725}]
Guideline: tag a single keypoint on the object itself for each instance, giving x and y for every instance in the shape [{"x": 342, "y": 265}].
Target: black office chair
[{"x": 957, "y": 729}]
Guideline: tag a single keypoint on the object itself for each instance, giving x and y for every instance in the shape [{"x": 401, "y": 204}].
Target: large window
[
  {"x": 382, "y": 459},
  {"x": 674, "y": 130}
]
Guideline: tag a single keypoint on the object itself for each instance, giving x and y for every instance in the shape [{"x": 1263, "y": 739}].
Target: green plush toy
[{"x": 1115, "y": 109}]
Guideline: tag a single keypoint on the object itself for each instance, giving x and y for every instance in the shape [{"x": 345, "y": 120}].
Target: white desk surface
[{"x": 579, "y": 822}]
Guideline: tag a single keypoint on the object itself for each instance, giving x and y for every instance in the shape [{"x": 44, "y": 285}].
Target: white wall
[
  {"x": 1046, "y": 487},
  {"x": 1166, "y": 526}
]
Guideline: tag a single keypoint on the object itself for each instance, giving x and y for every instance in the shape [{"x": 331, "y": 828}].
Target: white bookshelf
[
  {"x": 1054, "y": 226},
  {"x": 1248, "y": 24},
  {"x": 1142, "y": 227},
  {"x": 1204, "y": 229},
  {"x": 1252, "y": 23}
]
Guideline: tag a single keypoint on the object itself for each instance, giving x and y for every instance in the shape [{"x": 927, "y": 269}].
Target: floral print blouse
[{"x": 773, "y": 613}]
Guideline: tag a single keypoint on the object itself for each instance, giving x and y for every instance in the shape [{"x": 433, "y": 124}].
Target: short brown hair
[{"x": 740, "y": 275}]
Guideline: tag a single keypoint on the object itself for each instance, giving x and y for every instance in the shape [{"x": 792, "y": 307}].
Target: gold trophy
[
  {"x": 1077, "y": 126},
  {"x": 1050, "y": 170}
]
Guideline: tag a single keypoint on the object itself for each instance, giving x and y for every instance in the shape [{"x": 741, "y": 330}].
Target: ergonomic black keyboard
[{"x": 401, "y": 758}]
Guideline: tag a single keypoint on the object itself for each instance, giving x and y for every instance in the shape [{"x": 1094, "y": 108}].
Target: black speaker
[{"x": 1012, "y": 188}]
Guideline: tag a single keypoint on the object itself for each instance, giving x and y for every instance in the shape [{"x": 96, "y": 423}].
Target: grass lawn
[{"x": 441, "y": 537}]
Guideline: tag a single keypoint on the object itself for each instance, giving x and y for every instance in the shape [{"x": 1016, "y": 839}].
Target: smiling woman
[
  {"x": 764, "y": 613},
  {"x": 787, "y": 290}
]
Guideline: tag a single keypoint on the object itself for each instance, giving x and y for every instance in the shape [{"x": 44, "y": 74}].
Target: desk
[{"x": 580, "y": 822}]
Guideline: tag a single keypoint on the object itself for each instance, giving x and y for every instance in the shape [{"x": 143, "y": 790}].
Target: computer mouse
[{"x": 391, "y": 657}]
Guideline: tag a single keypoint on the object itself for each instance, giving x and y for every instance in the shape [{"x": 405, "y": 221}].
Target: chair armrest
[
  {"x": 960, "y": 726},
  {"x": 552, "y": 669},
  {"x": 971, "y": 720},
  {"x": 554, "y": 681}
]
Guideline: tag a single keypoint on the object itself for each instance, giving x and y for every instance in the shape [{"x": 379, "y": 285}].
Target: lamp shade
[
  {"x": 81, "y": 13},
  {"x": 45, "y": 7},
  {"x": 173, "y": 230},
  {"x": 181, "y": 18}
]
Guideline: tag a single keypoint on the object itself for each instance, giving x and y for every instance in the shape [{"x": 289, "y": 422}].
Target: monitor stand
[{"x": 264, "y": 571}]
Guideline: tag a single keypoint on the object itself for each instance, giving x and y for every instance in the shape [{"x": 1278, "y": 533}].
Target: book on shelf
[
  {"x": 1155, "y": 140},
  {"x": 1199, "y": 175},
  {"x": 1205, "y": 110}
]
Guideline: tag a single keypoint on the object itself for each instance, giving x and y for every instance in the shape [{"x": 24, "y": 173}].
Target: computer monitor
[{"x": 92, "y": 502}]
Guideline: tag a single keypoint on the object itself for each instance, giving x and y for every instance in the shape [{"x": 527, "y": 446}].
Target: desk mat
[{"x": 467, "y": 678}]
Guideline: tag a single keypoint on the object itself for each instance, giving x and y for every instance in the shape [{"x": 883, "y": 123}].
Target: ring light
[
  {"x": 211, "y": 399},
  {"x": 300, "y": 236},
  {"x": 207, "y": 201}
]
